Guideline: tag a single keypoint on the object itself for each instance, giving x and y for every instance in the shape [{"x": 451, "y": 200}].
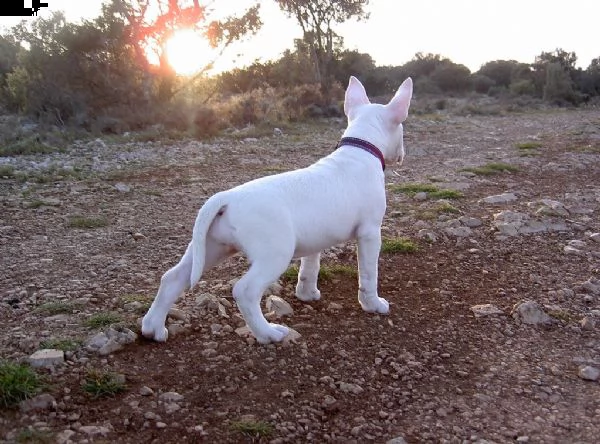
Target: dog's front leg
[
  {"x": 369, "y": 244},
  {"x": 306, "y": 289}
]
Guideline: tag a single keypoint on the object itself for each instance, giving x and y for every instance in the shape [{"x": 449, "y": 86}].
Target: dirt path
[{"x": 92, "y": 230}]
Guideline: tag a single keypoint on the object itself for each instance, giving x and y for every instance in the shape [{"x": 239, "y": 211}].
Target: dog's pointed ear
[
  {"x": 401, "y": 102},
  {"x": 355, "y": 96}
]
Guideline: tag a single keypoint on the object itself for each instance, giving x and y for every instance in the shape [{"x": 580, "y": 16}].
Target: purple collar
[{"x": 364, "y": 145}]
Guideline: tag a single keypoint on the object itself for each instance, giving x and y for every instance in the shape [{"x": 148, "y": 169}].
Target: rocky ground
[{"x": 492, "y": 337}]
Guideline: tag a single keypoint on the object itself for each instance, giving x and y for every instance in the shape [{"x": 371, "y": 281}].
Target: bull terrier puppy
[{"x": 297, "y": 214}]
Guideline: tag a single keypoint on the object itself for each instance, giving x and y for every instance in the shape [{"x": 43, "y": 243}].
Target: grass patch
[
  {"x": 253, "y": 429},
  {"x": 7, "y": 171},
  {"x": 36, "y": 436},
  {"x": 398, "y": 245},
  {"x": 103, "y": 384},
  {"x": 562, "y": 315},
  {"x": 291, "y": 273},
  {"x": 100, "y": 320},
  {"x": 17, "y": 383},
  {"x": 432, "y": 191},
  {"x": 530, "y": 145},
  {"x": 492, "y": 168},
  {"x": 326, "y": 272},
  {"x": 61, "y": 344},
  {"x": 54, "y": 308},
  {"x": 29, "y": 145},
  {"x": 446, "y": 208},
  {"x": 87, "y": 222}
]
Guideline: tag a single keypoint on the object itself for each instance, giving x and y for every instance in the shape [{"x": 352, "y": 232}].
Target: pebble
[
  {"x": 530, "y": 312},
  {"x": 589, "y": 373},
  {"x": 279, "y": 306},
  {"x": 170, "y": 397},
  {"x": 47, "y": 358},
  {"x": 499, "y": 198},
  {"x": 146, "y": 391},
  {"x": 485, "y": 310}
]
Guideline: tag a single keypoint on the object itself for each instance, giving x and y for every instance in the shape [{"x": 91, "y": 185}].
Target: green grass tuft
[
  {"x": 54, "y": 308},
  {"x": 7, "y": 171},
  {"x": 291, "y": 273},
  {"x": 492, "y": 168},
  {"x": 432, "y": 191},
  {"x": 87, "y": 222},
  {"x": 61, "y": 344},
  {"x": 35, "y": 436},
  {"x": 103, "y": 384},
  {"x": 530, "y": 145},
  {"x": 100, "y": 320},
  {"x": 17, "y": 383},
  {"x": 398, "y": 245},
  {"x": 327, "y": 272},
  {"x": 253, "y": 429}
]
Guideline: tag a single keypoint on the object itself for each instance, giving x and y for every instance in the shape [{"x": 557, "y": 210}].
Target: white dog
[{"x": 297, "y": 214}]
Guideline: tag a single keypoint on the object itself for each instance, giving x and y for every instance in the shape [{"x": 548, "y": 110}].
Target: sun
[{"x": 188, "y": 52}]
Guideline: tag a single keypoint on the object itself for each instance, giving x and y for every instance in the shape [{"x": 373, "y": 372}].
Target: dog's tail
[{"x": 205, "y": 217}]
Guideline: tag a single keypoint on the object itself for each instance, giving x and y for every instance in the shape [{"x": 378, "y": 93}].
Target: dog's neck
[{"x": 364, "y": 145}]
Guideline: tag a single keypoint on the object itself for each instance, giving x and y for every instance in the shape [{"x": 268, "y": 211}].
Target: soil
[{"x": 430, "y": 371}]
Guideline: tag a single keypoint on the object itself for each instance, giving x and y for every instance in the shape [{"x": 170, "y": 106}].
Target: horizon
[{"x": 455, "y": 30}]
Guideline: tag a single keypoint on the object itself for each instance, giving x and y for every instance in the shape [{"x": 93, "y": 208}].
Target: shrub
[
  {"x": 17, "y": 383},
  {"x": 103, "y": 384}
]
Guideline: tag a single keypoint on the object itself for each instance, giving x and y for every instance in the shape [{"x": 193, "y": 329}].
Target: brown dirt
[{"x": 429, "y": 372}]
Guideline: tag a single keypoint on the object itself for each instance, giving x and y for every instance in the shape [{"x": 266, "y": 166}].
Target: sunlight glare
[{"x": 188, "y": 52}]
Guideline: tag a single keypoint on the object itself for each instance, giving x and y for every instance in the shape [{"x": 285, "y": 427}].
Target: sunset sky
[{"x": 470, "y": 32}]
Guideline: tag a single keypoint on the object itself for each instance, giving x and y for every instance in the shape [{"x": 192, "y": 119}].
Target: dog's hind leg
[
  {"x": 248, "y": 292},
  {"x": 306, "y": 289},
  {"x": 369, "y": 244},
  {"x": 173, "y": 284}
]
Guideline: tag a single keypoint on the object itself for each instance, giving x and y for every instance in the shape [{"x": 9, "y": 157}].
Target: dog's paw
[
  {"x": 159, "y": 333},
  {"x": 307, "y": 295},
  {"x": 375, "y": 305},
  {"x": 273, "y": 333}
]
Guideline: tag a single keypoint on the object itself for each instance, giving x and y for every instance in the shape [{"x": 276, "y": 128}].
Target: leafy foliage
[{"x": 17, "y": 382}]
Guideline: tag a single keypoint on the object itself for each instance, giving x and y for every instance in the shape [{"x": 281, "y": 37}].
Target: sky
[{"x": 469, "y": 32}]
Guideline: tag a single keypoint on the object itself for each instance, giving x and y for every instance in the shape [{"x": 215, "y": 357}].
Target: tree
[
  {"x": 150, "y": 32},
  {"x": 566, "y": 60},
  {"x": 316, "y": 18},
  {"x": 559, "y": 86}
]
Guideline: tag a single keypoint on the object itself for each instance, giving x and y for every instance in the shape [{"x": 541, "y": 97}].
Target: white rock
[
  {"x": 146, "y": 391},
  {"x": 530, "y": 312},
  {"x": 334, "y": 306},
  {"x": 178, "y": 314},
  {"x": 471, "y": 222},
  {"x": 279, "y": 306},
  {"x": 123, "y": 188},
  {"x": 350, "y": 388},
  {"x": 458, "y": 231},
  {"x": 94, "y": 430},
  {"x": 499, "y": 198},
  {"x": 170, "y": 397},
  {"x": 45, "y": 401},
  {"x": 47, "y": 358},
  {"x": 485, "y": 310},
  {"x": 568, "y": 249},
  {"x": 595, "y": 237},
  {"x": 65, "y": 436},
  {"x": 589, "y": 373},
  {"x": 396, "y": 440}
]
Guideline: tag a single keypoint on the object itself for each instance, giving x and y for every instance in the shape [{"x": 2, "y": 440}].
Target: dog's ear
[
  {"x": 400, "y": 103},
  {"x": 355, "y": 96}
]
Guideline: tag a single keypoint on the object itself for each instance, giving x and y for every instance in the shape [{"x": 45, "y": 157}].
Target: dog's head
[{"x": 378, "y": 124}]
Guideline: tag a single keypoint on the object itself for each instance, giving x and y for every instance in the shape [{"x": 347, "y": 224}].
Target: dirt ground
[{"x": 97, "y": 242}]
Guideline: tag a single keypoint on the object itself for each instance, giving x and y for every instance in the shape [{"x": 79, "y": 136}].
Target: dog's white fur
[{"x": 296, "y": 214}]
